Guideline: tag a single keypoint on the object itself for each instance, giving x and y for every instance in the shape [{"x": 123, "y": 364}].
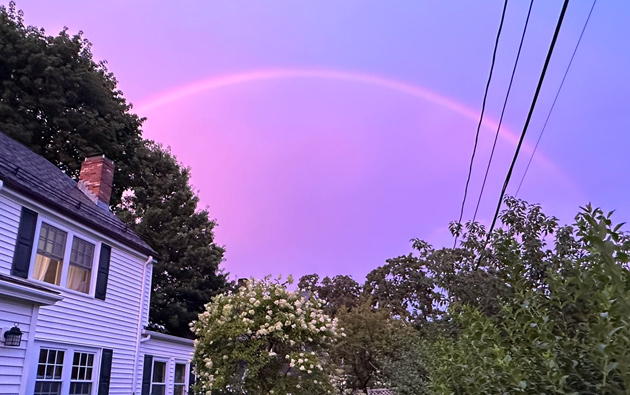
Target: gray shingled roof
[{"x": 32, "y": 175}]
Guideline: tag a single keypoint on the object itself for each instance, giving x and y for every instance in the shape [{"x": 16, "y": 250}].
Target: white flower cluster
[
  {"x": 304, "y": 361},
  {"x": 266, "y": 316}
]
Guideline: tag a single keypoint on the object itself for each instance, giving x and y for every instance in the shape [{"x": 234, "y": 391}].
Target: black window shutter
[
  {"x": 24, "y": 243},
  {"x": 103, "y": 272},
  {"x": 146, "y": 374},
  {"x": 106, "y": 372},
  {"x": 192, "y": 379}
]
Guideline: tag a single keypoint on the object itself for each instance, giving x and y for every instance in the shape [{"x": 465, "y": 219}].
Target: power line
[
  {"x": 529, "y": 117},
  {"x": 507, "y": 95},
  {"x": 555, "y": 98},
  {"x": 483, "y": 107}
]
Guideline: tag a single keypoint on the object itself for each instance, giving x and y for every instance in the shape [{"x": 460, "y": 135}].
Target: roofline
[
  {"x": 168, "y": 338},
  {"x": 72, "y": 214},
  {"x": 24, "y": 292}
]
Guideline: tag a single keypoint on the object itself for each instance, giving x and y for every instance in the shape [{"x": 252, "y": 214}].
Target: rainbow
[{"x": 407, "y": 88}]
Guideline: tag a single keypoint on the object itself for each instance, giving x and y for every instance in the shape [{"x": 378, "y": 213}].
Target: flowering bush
[{"x": 264, "y": 339}]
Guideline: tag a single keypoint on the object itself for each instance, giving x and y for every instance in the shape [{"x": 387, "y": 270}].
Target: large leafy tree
[
  {"x": 341, "y": 291},
  {"x": 162, "y": 206},
  {"x": 61, "y": 103},
  {"x": 562, "y": 326},
  {"x": 402, "y": 286},
  {"x": 379, "y": 351},
  {"x": 58, "y": 101}
]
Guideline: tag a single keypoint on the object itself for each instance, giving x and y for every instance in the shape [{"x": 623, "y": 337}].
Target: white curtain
[
  {"x": 78, "y": 279},
  {"x": 41, "y": 267}
]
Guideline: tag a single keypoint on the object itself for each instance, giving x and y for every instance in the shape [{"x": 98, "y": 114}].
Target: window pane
[
  {"x": 80, "y": 388},
  {"x": 47, "y": 269},
  {"x": 79, "y": 278},
  {"x": 52, "y": 242},
  {"x": 43, "y": 355},
  {"x": 158, "y": 389},
  {"x": 82, "y": 253},
  {"x": 47, "y": 388},
  {"x": 179, "y": 390},
  {"x": 82, "y": 366},
  {"x": 41, "y": 371},
  {"x": 159, "y": 372},
  {"x": 180, "y": 373},
  {"x": 50, "y": 364}
]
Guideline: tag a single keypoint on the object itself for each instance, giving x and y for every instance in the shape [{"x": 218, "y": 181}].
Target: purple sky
[{"x": 323, "y": 135}]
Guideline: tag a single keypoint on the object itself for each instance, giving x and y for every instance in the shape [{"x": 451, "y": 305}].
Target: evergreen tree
[{"x": 162, "y": 207}]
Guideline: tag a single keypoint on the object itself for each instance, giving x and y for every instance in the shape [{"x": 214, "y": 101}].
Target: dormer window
[{"x": 50, "y": 252}]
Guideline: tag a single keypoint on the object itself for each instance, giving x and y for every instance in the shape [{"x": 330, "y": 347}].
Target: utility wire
[
  {"x": 529, "y": 117},
  {"x": 507, "y": 95},
  {"x": 555, "y": 99},
  {"x": 483, "y": 107}
]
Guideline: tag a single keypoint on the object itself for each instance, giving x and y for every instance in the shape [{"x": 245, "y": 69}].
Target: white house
[{"x": 76, "y": 283}]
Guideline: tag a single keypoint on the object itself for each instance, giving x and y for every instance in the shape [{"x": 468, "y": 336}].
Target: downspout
[{"x": 139, "y": 328}]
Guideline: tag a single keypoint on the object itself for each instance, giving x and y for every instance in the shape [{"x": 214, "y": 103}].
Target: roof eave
[
  {"x": 168, "y": 338},
  {"x": 24, "y": 292},
  {"x": 69, "y": 213}
]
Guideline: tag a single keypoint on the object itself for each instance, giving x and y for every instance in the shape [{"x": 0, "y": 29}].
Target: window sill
[{"x": 63, "y": 289}]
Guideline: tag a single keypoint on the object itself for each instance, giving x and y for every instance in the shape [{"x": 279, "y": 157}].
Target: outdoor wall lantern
[{"x": 13, "y": 337}]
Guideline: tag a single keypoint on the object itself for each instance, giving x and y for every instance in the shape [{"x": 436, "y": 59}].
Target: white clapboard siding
[
  {"x": 9, "y": 224},
  {"x": 173, "y": 351},
  {"x": 12, "y": 358},
  {"x": 112, "y": 323}
]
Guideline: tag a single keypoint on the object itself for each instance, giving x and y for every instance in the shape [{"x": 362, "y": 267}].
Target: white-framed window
[
  {"x": 49, "y": 371},
  {"x": 158, "y": 377},
  {"x": 65, "y": 370},
  {"x": 82, "y": 374},
  {"x": 179, "y": 379},
  {"x": 64, "y": 258}
]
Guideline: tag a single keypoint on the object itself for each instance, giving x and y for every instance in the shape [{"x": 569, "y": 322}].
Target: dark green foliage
[
  {"x": 163, "y": 208},
  {"x": 58, "y": 101},
  {"x": 336, "y": 293},
  {"x": 532, "y": 308},
  {"x": 62, "y": 104},
  {"x": 563, "y": 322},
  {"x": 402, "y": 286},
  {"x": 379, "y": 351}
]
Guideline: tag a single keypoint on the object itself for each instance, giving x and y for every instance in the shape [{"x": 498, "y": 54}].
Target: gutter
[
  {"x": 24, "y": 292},
  {"x": 168, "y": 338},
  {"x": 139, "y": 328}
]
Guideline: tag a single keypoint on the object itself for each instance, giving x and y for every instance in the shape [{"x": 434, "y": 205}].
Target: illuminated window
[
  {"x": 80, "y": 268},
  {"x": 50, "y": 251}
]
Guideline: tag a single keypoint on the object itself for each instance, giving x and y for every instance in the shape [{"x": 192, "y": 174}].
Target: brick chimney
[{"x": 97, "y": 176}]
